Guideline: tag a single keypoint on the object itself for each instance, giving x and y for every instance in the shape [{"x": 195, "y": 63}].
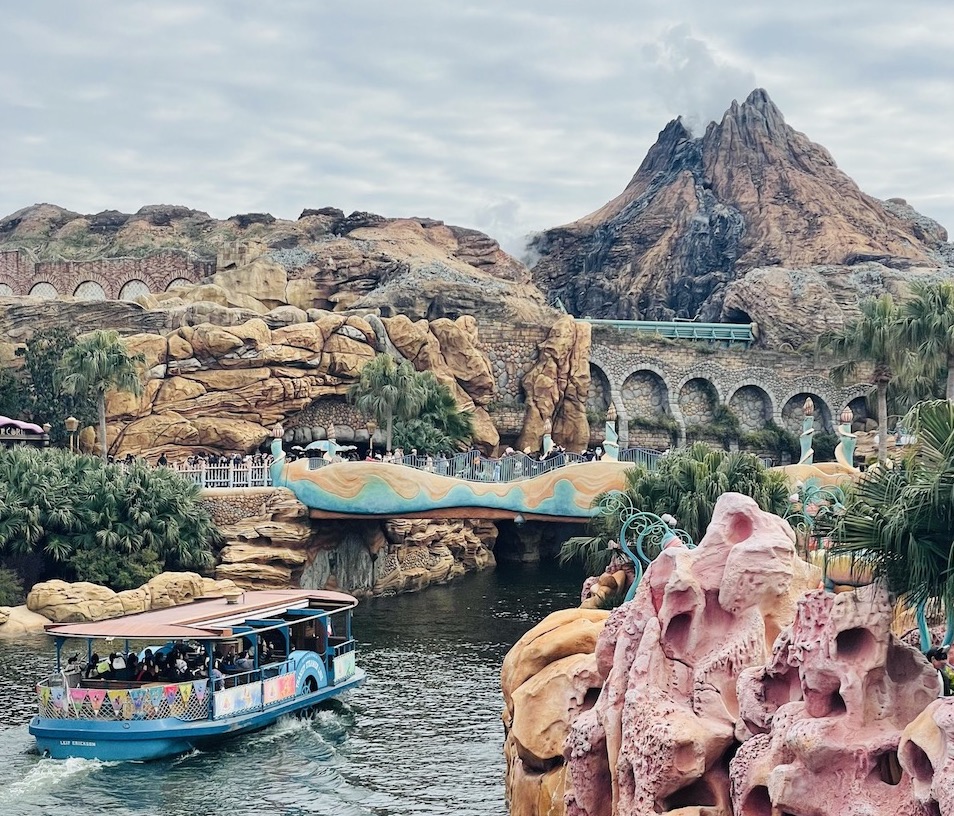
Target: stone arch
[
  {"x": 698, "y": 398},
  {"x": 792, "y": 413},
  {"x": 89, "y": 290},
  {"x": 6, "y": 290},
  {"x": 600, "y": 395},
  {"x": 133, "y": 288},
  {"x": 178, "y": 282},
  {"x": 44, "y": 290},
  {"x": 859, "y": 409},
  {"x": 752, "y": 404},
  {"x": 646, "y": 395}
]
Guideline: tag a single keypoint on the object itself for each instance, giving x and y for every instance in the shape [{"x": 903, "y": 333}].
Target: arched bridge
[{"x": 387, "y": 490}]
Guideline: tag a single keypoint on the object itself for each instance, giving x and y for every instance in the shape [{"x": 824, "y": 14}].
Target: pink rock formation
[
  {"x": 926, "y": 752},
  {"x": 828, "y": 713},
  {"x": 661, "y": 734}
]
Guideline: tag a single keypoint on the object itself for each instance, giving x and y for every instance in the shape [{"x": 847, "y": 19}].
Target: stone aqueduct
[
  {"x": 675, "y": 383},
  {"x": 100, "y": 279}
]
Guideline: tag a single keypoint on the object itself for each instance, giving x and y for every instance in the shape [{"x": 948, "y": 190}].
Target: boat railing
[
  {"x": 254, "y": 690},
  {"x": 114, "y": 702},
  {"x": 343, "y": 665}
]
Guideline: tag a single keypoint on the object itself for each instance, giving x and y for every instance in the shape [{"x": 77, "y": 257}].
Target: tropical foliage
[
  {"x": 36, "y": 392},
  {"x": 927, "y": 325},
  {"x": 440, "y": 425},
  {"x": 96, "y": 364},
  {"x": 78, "y": 518},
  {"x": 874, "y": 338},
  {"x": 898, "y": 521},
  {"x": 416, "y": 410},
  {"x": 685, "y": 484},
  {"x": 387, "y": 390}
]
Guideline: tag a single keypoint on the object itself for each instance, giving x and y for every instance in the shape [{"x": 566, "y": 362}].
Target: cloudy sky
[{"x": 506, "y": 116}]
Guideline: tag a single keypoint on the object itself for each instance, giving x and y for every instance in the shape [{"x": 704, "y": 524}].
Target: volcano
[{"x": 751, "y": 202}]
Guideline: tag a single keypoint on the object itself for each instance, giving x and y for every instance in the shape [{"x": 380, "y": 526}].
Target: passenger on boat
[
  {"x": 245, "y": 662},
  {"x": 92, "y": 672}
]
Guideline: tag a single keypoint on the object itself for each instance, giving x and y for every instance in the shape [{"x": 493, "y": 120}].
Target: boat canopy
[{"x": 208, "y": 618}]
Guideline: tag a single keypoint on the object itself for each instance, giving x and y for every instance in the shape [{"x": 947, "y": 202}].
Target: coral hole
[
  {"x": 855, "y": 644},
  {"x": 757, "y": 803},
  {"x": 903, "y": 664},
  {"x": 677, "y": 632},
  {"x": 696, "y": 794},
  {"x": 917, "y": 760},
  {"x": 739, "y": 529},
  {"x": 888, "y": 768}
]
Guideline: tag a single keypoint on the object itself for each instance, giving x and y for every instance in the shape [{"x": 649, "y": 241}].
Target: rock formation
[
  {"x": 221, "y": 388},
  {"x": 749, "y": 222},
  {"x": 63, "y": 602},
  {"x": 729, "y": 686},
  {"x": 270, "y": 542},
  {"x": 547, "y": 678},
  {"x": 926, "y": 753},
  {"x": 828, "y": 711},
  {"x": 556, "y": 388},
  {"x": 414, "y": 266}
]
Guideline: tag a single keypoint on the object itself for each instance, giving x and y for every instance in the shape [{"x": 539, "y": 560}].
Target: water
[{"x": 422, "y": 736}]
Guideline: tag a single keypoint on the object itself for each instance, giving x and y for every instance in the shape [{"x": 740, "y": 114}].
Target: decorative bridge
[{"x": 394, "y": 490}]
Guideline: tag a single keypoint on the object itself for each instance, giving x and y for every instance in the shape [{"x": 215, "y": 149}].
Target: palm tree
[
  {"x": 440, "y": 425},
  {"x": 387, "y": 390},
  {"x": 873, "y": 338},
  {"x": 97, "y": 364},
  {"x": 685, "y": 484},
  {"x": 927, "y": 326},
  {"x": 898, "y": 521}
]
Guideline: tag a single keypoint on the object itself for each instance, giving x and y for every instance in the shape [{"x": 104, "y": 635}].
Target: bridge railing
[
  {"x": 227, "y": 474},
  {"x": 729, "y": 333},
  {"x": 472, "y": 466}
]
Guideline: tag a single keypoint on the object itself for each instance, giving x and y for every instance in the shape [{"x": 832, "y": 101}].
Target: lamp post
[
  {"x": 71, "y": 423},
  {"x": 372, "y": 426}
]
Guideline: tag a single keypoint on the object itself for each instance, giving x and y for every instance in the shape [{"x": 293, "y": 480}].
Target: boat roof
[{"x": 206, "y": 618}]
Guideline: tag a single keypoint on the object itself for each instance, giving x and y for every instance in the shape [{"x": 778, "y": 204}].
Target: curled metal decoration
[{"x": 642, "y": 535}]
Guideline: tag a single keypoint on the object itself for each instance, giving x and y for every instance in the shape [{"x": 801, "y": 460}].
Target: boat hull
[{"x": 143, "y": 740}]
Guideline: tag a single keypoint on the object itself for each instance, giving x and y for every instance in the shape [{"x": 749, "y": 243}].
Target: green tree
[
  {"x": 13, "y": 394},
  {"x": 898, "y": 520},
  {"x": 99, "y": 363},
  {"x": 77, "y": 517},
  {"x": 685, "y": 484},
  {"x": 927, "y": 326},
  {"x": 874, "y": 337},
  {"x": 440, "y": 425},
  {"x": 46, "y": 401},
  {"x": 388, "y": 391}
]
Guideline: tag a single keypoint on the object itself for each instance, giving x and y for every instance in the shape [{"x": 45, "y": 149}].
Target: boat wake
[{"x": 47, "y": 774}]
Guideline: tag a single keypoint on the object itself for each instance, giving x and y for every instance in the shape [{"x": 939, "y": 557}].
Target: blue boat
[{"x": 227, "y": 666}]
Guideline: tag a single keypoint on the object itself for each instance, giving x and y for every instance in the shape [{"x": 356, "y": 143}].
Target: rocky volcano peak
[{"x": 701, "y": 212}]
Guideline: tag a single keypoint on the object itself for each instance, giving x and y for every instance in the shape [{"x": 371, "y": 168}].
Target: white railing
[{"x": 226, "y": 474}]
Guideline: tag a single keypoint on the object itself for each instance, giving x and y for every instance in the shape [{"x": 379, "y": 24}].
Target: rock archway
[
  {"x": 698, "y": 399},
  {"x": 753, "y": 406},
  {"x": 646, "y": 395},
  {"x": 793, "y": 413}
]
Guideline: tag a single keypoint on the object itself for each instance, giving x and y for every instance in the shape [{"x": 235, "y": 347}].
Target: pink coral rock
[
  {"x": 663, "y": 729},
  {"x": 829, "y": 710}
]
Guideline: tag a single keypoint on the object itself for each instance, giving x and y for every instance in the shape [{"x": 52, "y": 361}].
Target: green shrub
[
  {"x": 11, "y": 590},
  {"x": 90, "y": 521}
]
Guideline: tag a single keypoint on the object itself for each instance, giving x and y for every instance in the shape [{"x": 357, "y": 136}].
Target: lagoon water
[{"x": 422, "y": 736}]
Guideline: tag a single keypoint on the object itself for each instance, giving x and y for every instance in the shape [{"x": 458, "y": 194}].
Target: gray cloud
[{"x": 507, "y": 117}]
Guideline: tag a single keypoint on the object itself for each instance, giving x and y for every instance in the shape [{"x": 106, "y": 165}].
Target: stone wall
[
  {"x": 102, "y": 278},
  {"x": 270, "y": 542}
]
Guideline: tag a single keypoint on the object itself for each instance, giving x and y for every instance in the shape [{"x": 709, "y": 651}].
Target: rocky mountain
[
  {"x": 414, "y": 266},
  {"x": 752, "y": 221}
]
